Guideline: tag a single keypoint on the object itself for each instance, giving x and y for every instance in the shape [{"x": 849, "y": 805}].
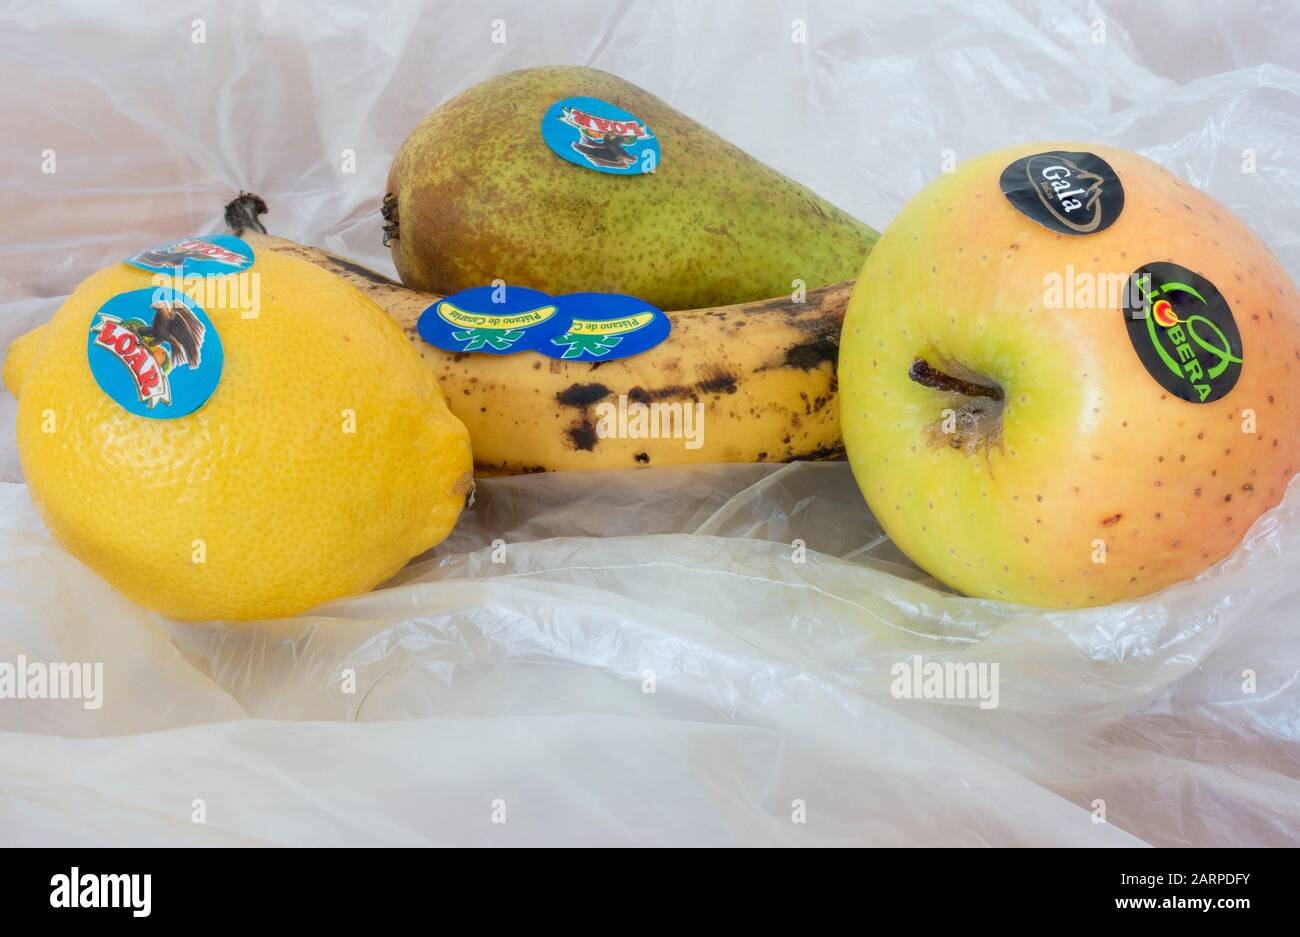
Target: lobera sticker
[
  {"x": 597, "y": 135},
  {"x": 1183, "y": 332},
  {"x": 211, "y": 256},
  {"x": 155, "y": 352},
  {"x": 495, "y": 320},
  {"x": 606, "y": 326},
  {"x": 1073, "y": 193}
]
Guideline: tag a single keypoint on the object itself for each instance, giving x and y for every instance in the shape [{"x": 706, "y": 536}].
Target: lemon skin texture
[{"x": 324, "y": 460}]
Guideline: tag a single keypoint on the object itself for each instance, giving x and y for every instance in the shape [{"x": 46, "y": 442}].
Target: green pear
[{"x": 476, "y": 194}]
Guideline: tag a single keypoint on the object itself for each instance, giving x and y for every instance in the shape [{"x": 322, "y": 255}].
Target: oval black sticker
[
  {"x": 1073, "y": 193},
  {"x": 1183, "y": 332}
]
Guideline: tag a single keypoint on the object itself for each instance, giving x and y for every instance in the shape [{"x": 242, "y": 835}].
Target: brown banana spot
[
  {"x": 495, "y": 469},
  {"x": 364, "y": 272},
  {"x": 581, "y": 395},
  {"x": 822, "y": 454},
  {"x": 815, "y": 353},
  {"x": 721, "y": 384},
  {"x": 583, "y": 434},
  {"x": 641, "y": 395}
]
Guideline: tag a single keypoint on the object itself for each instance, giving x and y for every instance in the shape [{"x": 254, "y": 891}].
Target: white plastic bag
[{"x": 697, "y": 655}]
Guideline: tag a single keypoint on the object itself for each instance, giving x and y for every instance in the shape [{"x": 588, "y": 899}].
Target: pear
[{"x": 476, "y": 194}]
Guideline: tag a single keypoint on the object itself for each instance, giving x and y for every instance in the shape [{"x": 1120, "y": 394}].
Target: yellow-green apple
[{"x": 1069, "y": 377}]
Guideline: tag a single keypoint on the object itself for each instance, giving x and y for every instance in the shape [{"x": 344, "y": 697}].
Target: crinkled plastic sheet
[{"x": 517, "y": 677}]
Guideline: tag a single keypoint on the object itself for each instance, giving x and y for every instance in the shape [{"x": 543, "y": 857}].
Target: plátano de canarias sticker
[
  {"x": 493, "y": 320},
  {"x": 606, "y": 326},
  {"x": 155, "y": 352}
]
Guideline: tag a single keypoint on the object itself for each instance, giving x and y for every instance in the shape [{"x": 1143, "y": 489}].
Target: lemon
[{"x": 324, "y": 460}]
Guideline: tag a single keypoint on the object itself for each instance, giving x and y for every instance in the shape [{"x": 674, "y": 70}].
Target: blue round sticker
[
  {"x": 606, "y": 326},
  {"x": 155, "y": 352},
  {"x": 494, "y": 320},
  {"x": 597, "y": 135},
  {"x": 211, "y": 256}
]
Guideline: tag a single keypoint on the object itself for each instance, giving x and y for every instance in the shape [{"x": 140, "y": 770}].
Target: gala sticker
[{"x": 1071, "y": 193}]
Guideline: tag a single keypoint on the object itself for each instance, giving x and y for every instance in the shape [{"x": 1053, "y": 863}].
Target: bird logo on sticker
[
  {"x": 603, "y": 141},
  {"x": 151, "y": 350}
]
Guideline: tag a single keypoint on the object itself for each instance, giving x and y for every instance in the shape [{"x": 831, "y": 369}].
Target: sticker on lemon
[{"x": 320, "y": 462}]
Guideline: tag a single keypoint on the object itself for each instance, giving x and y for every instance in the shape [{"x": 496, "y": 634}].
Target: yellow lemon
[{"x": 323, "y": 461}]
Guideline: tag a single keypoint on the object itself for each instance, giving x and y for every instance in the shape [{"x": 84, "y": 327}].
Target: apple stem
[{"x": 923, "y": 374}]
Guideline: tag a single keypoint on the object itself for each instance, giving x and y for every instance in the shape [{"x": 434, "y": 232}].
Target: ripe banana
[{"x": 753, "y": 382}]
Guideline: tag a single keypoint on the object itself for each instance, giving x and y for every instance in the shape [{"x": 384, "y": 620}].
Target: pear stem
[
  {"x": 923, "y": 374},
  {"x": 389, "y": 211}
]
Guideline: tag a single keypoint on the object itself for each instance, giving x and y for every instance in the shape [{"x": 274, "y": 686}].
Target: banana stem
[{"x": 244, "y": 211}]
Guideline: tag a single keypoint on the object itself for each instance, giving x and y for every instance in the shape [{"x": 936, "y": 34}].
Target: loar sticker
[
  {"x": 597, "y": 135},
  {"x": 155, "y": 352},
  {"x": 211, "y": 256}
]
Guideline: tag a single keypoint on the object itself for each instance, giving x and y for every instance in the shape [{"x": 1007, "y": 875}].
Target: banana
[{"x": 754, "y": 382}]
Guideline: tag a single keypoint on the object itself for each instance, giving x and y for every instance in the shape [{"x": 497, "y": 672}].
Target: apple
[{"x": 1069, "y": 378}]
